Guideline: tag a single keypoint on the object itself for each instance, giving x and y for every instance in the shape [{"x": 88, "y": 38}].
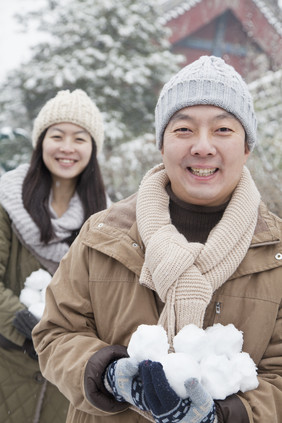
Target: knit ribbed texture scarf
[
  {"x": 184, "y": 274},
  {"x": 26, "y": 229}
]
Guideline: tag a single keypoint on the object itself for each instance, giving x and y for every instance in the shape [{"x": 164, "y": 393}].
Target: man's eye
[
  {"x": 224, "y": 129},
  {"x": 182, "y": 130}
]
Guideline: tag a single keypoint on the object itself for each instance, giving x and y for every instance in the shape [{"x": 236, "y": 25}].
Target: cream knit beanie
[
  {"x": 208, "y": 80},
  {"x": 74, "y": 107}
]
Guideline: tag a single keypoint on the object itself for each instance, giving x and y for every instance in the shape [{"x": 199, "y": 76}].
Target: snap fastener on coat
[
  {"x": 135, "y": 245},
  {"x": 38, "y": 377},
  {"x": 278, "y": 256},
  {"x": 100, "y": 225}
]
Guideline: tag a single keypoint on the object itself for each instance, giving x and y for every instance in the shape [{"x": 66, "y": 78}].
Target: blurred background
[{"x": 121, "y": 53}]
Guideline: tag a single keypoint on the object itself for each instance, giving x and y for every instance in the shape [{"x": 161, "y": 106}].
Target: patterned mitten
[
  {"x": 123, "y": 382},
  {"x": 166, "y": 406}
]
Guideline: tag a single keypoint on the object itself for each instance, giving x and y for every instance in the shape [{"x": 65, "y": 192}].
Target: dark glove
[
  {"x": 166, "y": 406},
  {"x": 24, "y": 322},
  {"x": 123, "y": 382},
  {"x": 28, "y": 348}
]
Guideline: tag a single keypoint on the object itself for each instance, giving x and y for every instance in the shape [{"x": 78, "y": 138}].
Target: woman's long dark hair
[{"x": 37, "y": 186}]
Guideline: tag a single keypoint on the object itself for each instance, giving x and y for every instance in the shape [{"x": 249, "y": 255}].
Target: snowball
[
  {"x": 33, "y": 293},
  {"x": 148, "y": 342},
  {"x": 225, "y": 340},
  {"x": 38, "y": 280},
  {"x": 37, "y": 309},
  {"x": 217, "y": 376},
  {"x": 29, "y": 296},
  {"x": 191, "y": 340},
  {"x": 244, "y": 366},
  {"x": 179, "y": 367},
  {"x": 42, "y": 294},
  {"x": 213, "y": 356}
]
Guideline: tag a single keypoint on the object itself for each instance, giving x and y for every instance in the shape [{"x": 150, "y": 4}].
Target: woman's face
[{"x": 66, "y": 150}]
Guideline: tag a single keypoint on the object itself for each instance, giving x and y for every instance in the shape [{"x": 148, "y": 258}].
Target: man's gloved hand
[
  {"x": 166, "y": 406},
  {"x": 24, "y": 322},
  {"x": 123, "y": 382}
]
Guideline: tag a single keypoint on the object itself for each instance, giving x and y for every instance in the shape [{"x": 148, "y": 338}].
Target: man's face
[{"x": 204, "y": 153}]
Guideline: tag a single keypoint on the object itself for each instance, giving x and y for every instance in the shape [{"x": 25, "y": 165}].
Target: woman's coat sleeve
[{"x": 9, "y": 302}]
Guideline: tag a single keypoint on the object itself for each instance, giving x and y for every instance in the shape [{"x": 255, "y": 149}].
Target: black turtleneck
[{"x": 194, "y": 222}]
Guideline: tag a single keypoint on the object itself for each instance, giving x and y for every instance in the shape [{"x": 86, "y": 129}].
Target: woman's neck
[{"x": 62, "y": 192}]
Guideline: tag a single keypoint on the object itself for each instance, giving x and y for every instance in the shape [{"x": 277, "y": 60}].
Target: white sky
[{"x": 14, "y": 45}]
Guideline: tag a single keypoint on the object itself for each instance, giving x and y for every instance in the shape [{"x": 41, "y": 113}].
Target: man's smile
[{"x": 202, "y": 172}]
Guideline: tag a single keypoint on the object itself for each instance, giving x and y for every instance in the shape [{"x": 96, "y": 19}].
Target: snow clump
[
  {"x": 148, "y": 342},
  {"x": 214, "y": 356},
  {"x": 33, "y": 293}
]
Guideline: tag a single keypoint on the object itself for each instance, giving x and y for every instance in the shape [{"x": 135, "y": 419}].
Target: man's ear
[{"x": 247, "y": 150}]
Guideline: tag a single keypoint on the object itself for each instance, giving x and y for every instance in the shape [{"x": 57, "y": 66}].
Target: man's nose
[{"x": 203, "y": 145}]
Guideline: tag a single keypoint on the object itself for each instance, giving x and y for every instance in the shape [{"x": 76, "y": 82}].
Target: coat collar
[
  {"x": 266, "y": 231},
  {"x": 266, "y": 246},
  {"x": 114, "y": 232}
]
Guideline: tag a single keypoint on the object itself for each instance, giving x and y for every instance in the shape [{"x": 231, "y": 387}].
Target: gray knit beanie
[
  {"x": 75, "y": 107},
  {"x": 208, "y": 80}
]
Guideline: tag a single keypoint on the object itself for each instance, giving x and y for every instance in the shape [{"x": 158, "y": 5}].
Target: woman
[{"x": 42, "y": 208}]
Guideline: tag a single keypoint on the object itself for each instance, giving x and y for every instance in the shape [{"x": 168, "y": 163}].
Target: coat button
[
  {"x": 38, "y": 377},
  {"x": 278, "y": 256},
  {"x": 135, "y": 245},
  {"x": 100, "y": 225}
]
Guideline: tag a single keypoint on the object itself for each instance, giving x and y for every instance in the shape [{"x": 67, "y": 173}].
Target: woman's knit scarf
[
  {"x": 49, "y": 255},
  {"x": 186, "y": 274}
]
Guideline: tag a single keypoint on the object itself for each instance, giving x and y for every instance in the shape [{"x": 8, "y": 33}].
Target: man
[{"x": 194, "y": 245}]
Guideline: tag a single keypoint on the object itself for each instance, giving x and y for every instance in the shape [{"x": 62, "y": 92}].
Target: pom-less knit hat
[
  {"x": 208, "y": 80},
  {"x": 74, "y": 107}
]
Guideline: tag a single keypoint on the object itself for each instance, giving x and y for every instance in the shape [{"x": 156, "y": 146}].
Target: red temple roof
[{"x": 246, "y": 33}]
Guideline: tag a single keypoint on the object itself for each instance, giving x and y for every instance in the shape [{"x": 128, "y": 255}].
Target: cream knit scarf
[{"x": 184, "y": 274}]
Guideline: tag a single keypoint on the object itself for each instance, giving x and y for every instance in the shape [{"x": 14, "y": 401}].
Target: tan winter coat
[{"x": 95, "y": 300}]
